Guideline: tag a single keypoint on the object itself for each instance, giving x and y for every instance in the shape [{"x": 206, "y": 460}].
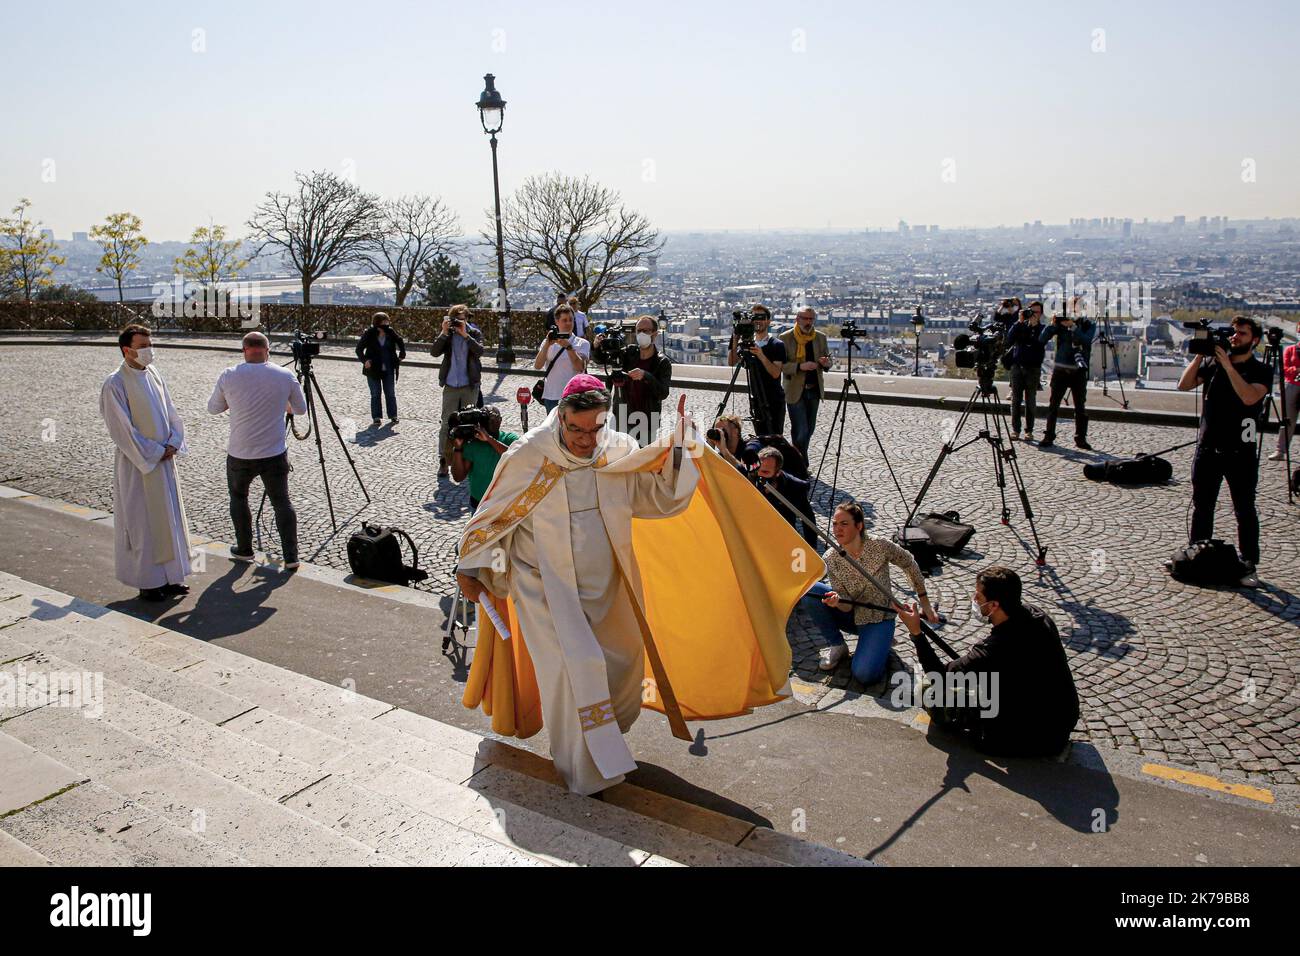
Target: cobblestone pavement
[{"x": 1206, "y": 679}]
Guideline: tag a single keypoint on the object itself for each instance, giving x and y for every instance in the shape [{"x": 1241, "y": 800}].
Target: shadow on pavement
[
  {"x": 1086, "y": 801},
  {"x": 220, "y": 610}
]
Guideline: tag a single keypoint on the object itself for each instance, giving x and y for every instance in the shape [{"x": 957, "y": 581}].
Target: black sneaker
[
  {"x": 152, "y": 594},
  {"x": 176, "y": 589},
  {"x": 1046, "y": 442},
  {"x": 1082, "y": 443},
  {"x": 236, "y": 555}
]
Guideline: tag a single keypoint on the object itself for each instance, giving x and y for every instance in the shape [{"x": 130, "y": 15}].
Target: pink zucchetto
[{"x": 582, "y": 383}]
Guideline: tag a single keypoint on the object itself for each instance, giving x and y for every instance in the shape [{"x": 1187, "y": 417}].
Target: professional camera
[
  {"x": 554, "y": 333},
  {"x": 981, "y": 349},
  {"x": 850, "y": 331},
  {"x": 305, "y": 346},
  {"x": 742, "y": 327},
  {"x": 1274, "y": 336},
  {"x": 611, "y": 347},
  {"x": 1206, "y": 338},
  {"x": 466, "y": 423}
]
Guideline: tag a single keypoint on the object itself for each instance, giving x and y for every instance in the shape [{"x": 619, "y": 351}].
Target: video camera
[
  {"x": 982, "y": 348},
  {"x": 306, "y": 346},
  {"x": 554, "y": 333},
  {"x": 609, "y": 351},
  {"x": 465, "y": 423},
  {"x": 1274, "y": 334},
  {"x": 850, "y": 331},
  {"x": 742, "y": 327},
  {"x": 1206, "y": 337}
]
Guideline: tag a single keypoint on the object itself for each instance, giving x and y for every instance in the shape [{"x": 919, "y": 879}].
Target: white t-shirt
[
  {"x": 563, "y": 369},
  {"x": 257, "y": 394}
]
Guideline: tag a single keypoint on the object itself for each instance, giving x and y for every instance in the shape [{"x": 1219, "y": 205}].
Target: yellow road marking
[{"x": 1207, "y": 782}]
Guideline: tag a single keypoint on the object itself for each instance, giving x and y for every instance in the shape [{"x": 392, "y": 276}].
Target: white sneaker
[
  {"x": 1275, "y": 456},
  {"x": 1249, "y": 579},
  {"x": 292, "y": 565},
  {"x": 829, "y": 657}
]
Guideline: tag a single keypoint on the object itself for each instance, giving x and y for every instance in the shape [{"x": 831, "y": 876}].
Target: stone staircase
[{"x": 124, "y": 743}]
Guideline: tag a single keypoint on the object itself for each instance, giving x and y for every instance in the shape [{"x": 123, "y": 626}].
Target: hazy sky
[{"x": 704, "y": 115}]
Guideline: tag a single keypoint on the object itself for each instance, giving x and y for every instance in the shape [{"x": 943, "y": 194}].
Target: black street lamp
[
  {"x": 918, "y": 323},
  {"x": 491, "y": 113}
]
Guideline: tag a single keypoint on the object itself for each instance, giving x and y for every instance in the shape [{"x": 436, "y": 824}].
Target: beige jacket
[{"x": 794, "y": 378}]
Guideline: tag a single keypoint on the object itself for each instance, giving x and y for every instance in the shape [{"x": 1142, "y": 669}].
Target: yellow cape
[{"x": 720, "y": 580}]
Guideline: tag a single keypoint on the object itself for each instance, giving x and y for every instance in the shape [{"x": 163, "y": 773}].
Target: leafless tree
[
  {"x": 328, "y": 223},
  {"x": 414, "y": 230},
  {"x": 577, "y": 235}
]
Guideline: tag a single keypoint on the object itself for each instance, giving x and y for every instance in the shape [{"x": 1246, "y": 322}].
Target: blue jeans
[
  {"x": 549, "y": 404},
  {"x": 874, "y": 640},
  {"x": 389, "y": 382},
  {"x": 803, "y": 419}
]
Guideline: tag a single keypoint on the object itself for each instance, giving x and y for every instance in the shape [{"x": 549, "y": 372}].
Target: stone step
[
  {"x": 252, "y": 827},
  {"x": 91, "y": 825},
  {"x": 14, "y": 852},
  {"x": 398, "y": 757},
  {"x": 372, "y": 819}
]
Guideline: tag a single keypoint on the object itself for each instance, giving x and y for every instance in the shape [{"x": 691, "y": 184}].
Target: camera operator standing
[
  {"x": 563, "y": 354},
  {"x": 1069, "y": 373},
  {"x": 461, "y": 345},
  {"x": 257, "y": 394},
  {"x": 807, "y": 359},
  {"x": 1027, "y": 353},
  {"x": 644, "y": 378},
  {"x": 1236, "y": 385},
  {"x": 477, "y": 457},
  {"x": 768, "y": 352}
]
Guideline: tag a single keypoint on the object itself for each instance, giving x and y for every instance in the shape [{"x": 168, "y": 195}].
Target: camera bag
[
  {"x": 948, "y": 535},
  {"x": 375, "y": 553},
  {"x": 916, "y": 542},
  {"x": 1211, "y": 562},
  {"x": 539, "y": 387},
  {"x": 1143, "y": 470}
]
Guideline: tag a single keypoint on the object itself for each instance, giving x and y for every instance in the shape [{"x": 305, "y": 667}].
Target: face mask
[
  {"x": 975, "y": 609},
  {"x": 144, "y": 356},
  {"x": 644, "y": 339}
]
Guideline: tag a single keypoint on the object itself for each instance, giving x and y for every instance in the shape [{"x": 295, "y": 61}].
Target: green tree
[
  {"x": 121, "y": 239},
  {"x": 27, "y": 258},
  {"x": 64, "y": 292},
  {"x": 440, "y": 285},
  {"x": 211, "y": 257}
]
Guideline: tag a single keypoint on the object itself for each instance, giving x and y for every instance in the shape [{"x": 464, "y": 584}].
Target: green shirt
[{"x": 483, "y": 459}]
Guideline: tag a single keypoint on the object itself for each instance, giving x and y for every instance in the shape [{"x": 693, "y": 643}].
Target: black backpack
[
  {"x": 376, "y": 554},
  {"x": 1211, "y": 563},
  {"x": 1143, "y": 470}
]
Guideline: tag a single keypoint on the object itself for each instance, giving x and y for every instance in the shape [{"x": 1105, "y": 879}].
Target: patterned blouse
[{"x": 877, "y": 555}]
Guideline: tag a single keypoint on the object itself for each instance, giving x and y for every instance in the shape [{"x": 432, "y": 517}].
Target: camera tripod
[
  {"x": 1273, "y": 359},
  {"x": 1004, "y": 455},
  {"x": 312, "y": 391},
  {"x": 1108, "y": 343},
  {"x": 759, "y": 412},
  {"x": 839, "y": 419}
]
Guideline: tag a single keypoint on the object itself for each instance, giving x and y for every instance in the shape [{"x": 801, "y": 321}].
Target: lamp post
[
  {"x": 918, "y": 323},
  {"x": 491, "y": 113}
]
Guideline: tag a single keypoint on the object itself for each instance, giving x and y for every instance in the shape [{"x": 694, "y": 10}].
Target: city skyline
[{"x": 792, "y": 119}]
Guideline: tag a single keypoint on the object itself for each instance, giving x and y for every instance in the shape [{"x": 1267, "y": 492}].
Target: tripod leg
[
  {"x": 320, "y": 451},
  {"x": 993, "y": 433},
  {"x": 944, "y": 452},
  {"x": 879, "y": 444},
  {"x": 1013, "y": 465},
  {"x": 338, "y": 434}
]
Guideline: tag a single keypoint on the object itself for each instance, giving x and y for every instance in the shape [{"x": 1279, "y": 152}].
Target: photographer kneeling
[
  {"x": 1031, "y": 703},
  {"x": 642, "y": 381},
  {"x": 1236, "y": 386},
  {"x": 726, "y": 439},
  {"x": 475, "y": 454},
  {"x": 1069, "y": 373},
  {"x": 843, "y": 605}
]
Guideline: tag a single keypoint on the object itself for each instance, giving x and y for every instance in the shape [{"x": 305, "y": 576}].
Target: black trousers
[
  {"x": 1074, "y": 381},
  {"x": 274, "y": 473},
  {"x": 1209, "y": 470},
  {"x": 1024, "y": 394}
]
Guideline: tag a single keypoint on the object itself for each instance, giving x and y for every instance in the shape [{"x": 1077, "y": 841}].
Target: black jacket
[
  {"x": 654, "y": 387},
  {"x": 1027, "y": 349},
  {"x": 369, "y": 350},
  {"x": 473, "y": 361},
  {"x": 1037, "y": 703},
  {"x": 796, "y": 490}
]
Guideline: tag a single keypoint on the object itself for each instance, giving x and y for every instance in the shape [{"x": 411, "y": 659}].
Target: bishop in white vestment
[
  {"x": 150, "y": 528},
  {"x": 569, "y": 568}
]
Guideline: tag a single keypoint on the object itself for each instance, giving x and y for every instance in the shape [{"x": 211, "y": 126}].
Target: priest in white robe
[
  {"x": 150, "y": 529},
  {"x": 569, "y": 568}
]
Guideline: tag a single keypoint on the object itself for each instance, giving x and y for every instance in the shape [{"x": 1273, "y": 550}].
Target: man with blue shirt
[
  {"x": 460, "y": 346},
  {"x": 1069, "y": 373}
]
